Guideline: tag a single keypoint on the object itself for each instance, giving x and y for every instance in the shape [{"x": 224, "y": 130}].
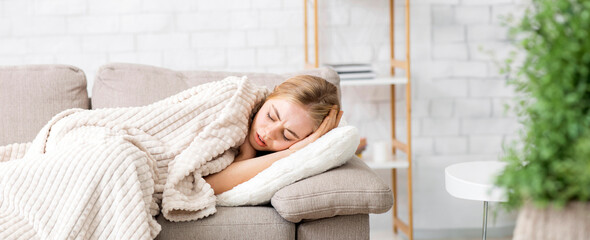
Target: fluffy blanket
[{"x": 103, "y": 173}]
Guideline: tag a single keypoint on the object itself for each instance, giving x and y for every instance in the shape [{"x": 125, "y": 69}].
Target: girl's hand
[{"x": 330, "y": 122}]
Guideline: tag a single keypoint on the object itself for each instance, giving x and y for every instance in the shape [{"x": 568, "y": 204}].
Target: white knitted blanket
[{"x": 96, "y": 174}]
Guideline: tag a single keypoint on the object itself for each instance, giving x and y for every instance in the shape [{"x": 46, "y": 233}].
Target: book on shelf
[
  {"x": 351, "y": 67},
  {"x": 357, "y": 75},
  {"x": 349, "y": 71}
]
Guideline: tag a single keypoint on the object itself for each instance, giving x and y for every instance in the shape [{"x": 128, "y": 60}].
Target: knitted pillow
[{"x": 329, "y": 151}]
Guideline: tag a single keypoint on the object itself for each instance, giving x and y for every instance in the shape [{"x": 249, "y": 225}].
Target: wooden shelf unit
[{"x": 392, "y": 81}]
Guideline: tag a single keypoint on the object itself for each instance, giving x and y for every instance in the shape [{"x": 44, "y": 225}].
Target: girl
[{"x": 296, "y": 113}]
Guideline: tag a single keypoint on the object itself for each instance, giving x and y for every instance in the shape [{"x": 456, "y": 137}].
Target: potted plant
[{"x": 548, "y": 171}]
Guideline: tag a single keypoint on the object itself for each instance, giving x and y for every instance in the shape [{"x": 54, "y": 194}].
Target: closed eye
[
  {"x": 285, "y": 137},
  {"x": 272, "y": 119}
]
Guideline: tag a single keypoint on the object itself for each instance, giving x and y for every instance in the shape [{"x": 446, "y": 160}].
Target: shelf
[
  {"x": 402, "y": 161},
  {"x": 375, "y": 81},
  {"x": 396, "y": 162}
]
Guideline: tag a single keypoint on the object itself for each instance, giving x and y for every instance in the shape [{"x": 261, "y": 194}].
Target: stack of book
[{"x": 353, "y": 71}]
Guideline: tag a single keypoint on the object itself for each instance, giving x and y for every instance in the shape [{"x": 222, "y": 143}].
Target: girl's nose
[{"x": 271, "y": 131}]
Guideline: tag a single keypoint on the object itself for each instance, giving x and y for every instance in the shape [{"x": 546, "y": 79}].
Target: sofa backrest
[
  {"x": 127, "y": 85},
  {"x": 31, "y": 95}
]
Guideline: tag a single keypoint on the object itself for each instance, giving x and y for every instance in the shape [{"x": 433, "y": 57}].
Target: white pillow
[{"x": 329, "y": 151}]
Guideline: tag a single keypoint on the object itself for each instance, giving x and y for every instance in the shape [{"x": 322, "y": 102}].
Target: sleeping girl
[{"x": 296, "y": 113}]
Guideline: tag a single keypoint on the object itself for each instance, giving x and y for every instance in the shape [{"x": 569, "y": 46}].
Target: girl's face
[{"x": 278, "y": 125}]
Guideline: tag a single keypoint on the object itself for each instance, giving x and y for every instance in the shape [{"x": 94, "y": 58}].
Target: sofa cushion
[
  {"x": 127, "y": 85},
  {"x": 334, "y": 193},
  {"x": 260, "y": 222},
  {"x": 349, "y": 227},
  {"x": 31, "y": 95}
]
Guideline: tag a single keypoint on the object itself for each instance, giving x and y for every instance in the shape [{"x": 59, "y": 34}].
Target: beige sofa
[{"x": 331, "y": 205}]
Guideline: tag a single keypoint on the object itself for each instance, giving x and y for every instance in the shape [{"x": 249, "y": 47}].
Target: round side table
[{"x": 475, "y": 181}]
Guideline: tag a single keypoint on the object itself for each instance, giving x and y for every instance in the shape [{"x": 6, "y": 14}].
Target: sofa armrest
[{"x": 352, "y": 188}]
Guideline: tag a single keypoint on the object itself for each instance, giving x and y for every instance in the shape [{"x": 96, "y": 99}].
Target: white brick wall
[
  {"x": 443, "y": 88},
  {"x": 449, "y": 34},
  {"x": 450, "y": 51},
  {"x": 141, "y": 23},
  {"x": 490, "y": 88},
  {"x": 108, "y": 43},
  {"x": 443, "y": 15},
  {"x": 38, "y": 26},
  {"x": 458, "y": 93},
  {"x": 469, "y": 15},
  {"x": 218, "y": 39},
  {"x": 172, "y": 6},
  {"x": 159, "y": 42},
  {"x": 442, "y": 108},
  {"x": 80, "y": 25},
  {"x": 261, "y": 38},
  {"x": 114, "y": 6},
  {"x": 245, "y": 57},
  {"x": 488, "y": 126},
  {"x": 181, "y": 59},
  {"x": 486, "y": 32},
  {"x": 473, "y": 108},
  {"x": 485, "y": 144},
  {"x": 9, "y": 46},
  {"x": 212, "y": 58},
  {"x": 244, "y": 20},
  {"x": 59, "y": 7},
  {"x": 470, "y": 68},
  {"x": 437, "y": 127}
]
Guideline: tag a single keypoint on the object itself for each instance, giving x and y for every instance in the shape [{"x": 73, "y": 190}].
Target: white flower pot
[{"x": 570, "y": 223}]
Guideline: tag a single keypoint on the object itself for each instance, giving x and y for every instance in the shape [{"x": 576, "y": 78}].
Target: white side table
[{"x": 475, "y": 181}]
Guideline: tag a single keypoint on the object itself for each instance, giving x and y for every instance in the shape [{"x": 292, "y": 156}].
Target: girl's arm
[
  {"x": 246, "y": 166},
  {"x": 241, "y": 171}
]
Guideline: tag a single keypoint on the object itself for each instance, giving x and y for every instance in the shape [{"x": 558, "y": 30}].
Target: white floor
[
  {"x": 382, "y": 235},
  {"x": 388, "y": 235}
]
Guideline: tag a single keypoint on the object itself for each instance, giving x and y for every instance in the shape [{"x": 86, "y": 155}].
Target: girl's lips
[{"x": 259, "y": 141}]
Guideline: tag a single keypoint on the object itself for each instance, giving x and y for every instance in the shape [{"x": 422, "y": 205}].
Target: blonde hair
[{"x": 315, "y": 94}]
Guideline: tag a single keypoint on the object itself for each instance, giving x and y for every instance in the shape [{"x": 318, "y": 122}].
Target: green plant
[{"x": 550, "y": 163}]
